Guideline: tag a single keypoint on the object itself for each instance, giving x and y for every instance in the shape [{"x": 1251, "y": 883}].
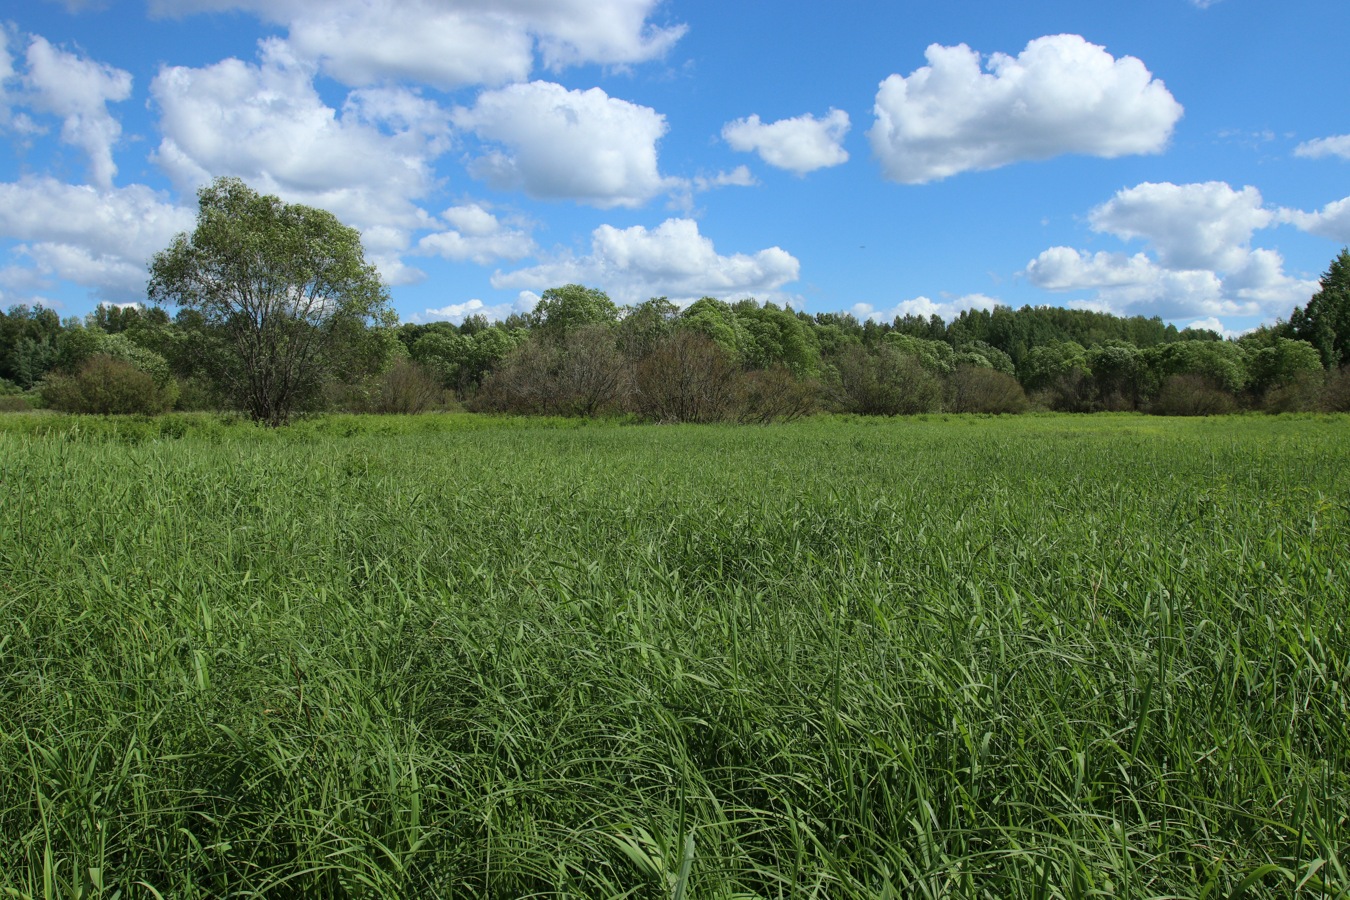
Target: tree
[
  {"x": 1325, "y": 321},
  {"x": 571, "y": 306},
  {"x": 283, "y": 294}
]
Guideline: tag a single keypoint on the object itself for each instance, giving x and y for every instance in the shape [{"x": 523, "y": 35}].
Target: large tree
[
  {"x": 1325, "y": 321},
  {"x": 282, "y": 294}
]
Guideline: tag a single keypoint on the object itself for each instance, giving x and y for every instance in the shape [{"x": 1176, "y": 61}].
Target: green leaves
[{"x": 282, "y": 290}]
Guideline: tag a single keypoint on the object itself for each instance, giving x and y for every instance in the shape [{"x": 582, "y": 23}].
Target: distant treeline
[{"x": 578, "y": 353}]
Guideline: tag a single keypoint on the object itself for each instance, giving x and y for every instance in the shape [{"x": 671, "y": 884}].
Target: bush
[
  {"x": 582, "y": 374},
  {"x": 1300, "y": 393},
  {"x": 775, "y": 395},
  {"x": 107, "y": 386},
  {"x": 688, "y": 377},
  {"x": 1192, "y": 395},
  {"x": 980, "y": 390},
  {"x": 884, "y": 382},
  {"x": 407, "y": 388},
  {"x": 1336, "y": 394}
]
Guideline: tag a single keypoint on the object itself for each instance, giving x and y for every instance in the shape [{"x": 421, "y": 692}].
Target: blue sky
[{"x": 1178, "y": 158}]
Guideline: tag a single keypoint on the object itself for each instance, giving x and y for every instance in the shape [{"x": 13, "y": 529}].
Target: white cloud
[
  {"x": 458, "y": 312},
  {"x": 1060, "y": 95},
  {"x": 737, "y": 177},
  {"x": 1332, "y": 221},
  {"x": 1327, "y": 146},
  {"x": 1190, "y": 226},
  {"x": 101, "y": 239},
  {"x": 452, "y": 43},
  {"x": 1202, "y": 261},
  {"x": 75, "y": 90},
  {"x": 266, "y": 123},
  {"x": 476, "y": 235},
  {"x": 924, "y": 307},
  {"x": 800, "y": 145},
  {"x": 671, "y": 260},
  {"x": 560, "y": 144}
]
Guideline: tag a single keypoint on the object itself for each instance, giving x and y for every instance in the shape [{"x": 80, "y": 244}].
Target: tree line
[{"x": 277, "y": 313}]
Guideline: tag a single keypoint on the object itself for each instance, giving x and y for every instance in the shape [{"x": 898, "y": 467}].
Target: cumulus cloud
[
  {"x": 74, "y": 89},
  {"x": 100, "y": 239},
  {"x": 1190, "y": 226},
  {"x": 800, "y": 145},
  {"x": 1202, "y": 261},
  {"x": 1327, "y": 146},
  {"x": 559, "y": 144},
  {"x": 452, "y": 43},
  {"x": 1060, "y": 95},
  {"x": 266, "y": 123},
  {"x": 672, "y": 260},
  {"x": 1331, "y": 221},
  {"x": 476, "y": 235}
]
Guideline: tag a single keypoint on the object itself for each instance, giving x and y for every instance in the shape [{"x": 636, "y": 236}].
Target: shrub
[
  {"x": 1192, "y": 395},
  {"x": 981, "y": 390},
  {"x": 688, "y": 377},
  {"x": 885, "y": 382},
  {"x": 406, "y": 388},
  {"x": 1336, "y": 395},
  {"x": 582, "y": 374},
  {"x": 107, "y": 386},
  {"x": 775, "y": 395},
  {"x": 1300, "y": 393}
]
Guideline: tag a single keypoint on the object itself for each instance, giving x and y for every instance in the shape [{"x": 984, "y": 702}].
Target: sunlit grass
[{"x": 455, "y": 657}]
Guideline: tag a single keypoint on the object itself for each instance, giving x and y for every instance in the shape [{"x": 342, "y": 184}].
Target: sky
[{"x": 1188, "y": 159}]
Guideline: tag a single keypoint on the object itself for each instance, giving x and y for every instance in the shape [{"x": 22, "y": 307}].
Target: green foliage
[
  {"x": 562, "y": 309},
  {"x": 644, "y": 326},
  {"x": 885, "y": 382},
  {"x": 774, "y": 337},
  {"x": 283, "y": 297},
  {"x": 717, "y": 321},
  {"x": 1325, "y": 321},
  {"x": 107, "y": 385},
  {"x": 1284, "y": 362},
  {"x": 935, "y": 356},
  {"x": 984, "y": 389},
  {"x": 28, "y": 338},
  {"x": 1221, "y": 363}
]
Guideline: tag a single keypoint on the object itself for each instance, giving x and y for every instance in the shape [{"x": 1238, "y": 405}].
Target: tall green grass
[{"x": 1037, "y": 657}]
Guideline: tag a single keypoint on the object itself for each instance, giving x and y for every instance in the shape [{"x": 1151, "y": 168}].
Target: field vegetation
[{"x": 456, "y": 656}]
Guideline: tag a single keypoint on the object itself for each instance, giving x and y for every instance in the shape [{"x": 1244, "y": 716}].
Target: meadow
[{"x": 460, "y": 657}]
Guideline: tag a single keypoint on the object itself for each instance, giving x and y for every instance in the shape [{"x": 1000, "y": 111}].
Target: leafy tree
[
  {"x": 1282, "y": 363},
  {"x": 1222, "y": 363},
  {"x": 776, "y": 337},
  {"x": 561, "y": 309},
  {"x": 646, "y": 325},
  {"x": 718, "y": 321},
  {"x": 1325, "y": 321},
  {"x": 1119, "y": 374},
  {"x": 28, "y": 338},
  {"x": 283, "y": 294},
  {"x": 935, "y": 356}
]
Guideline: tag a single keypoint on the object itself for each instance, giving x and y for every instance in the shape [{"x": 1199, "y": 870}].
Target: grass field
[{"x": 453, "y": 657}]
